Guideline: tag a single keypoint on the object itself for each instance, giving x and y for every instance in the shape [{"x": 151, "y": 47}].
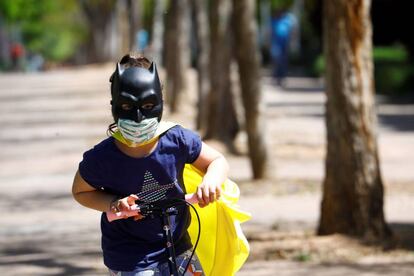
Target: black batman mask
[{"x": 136, "y": 93}]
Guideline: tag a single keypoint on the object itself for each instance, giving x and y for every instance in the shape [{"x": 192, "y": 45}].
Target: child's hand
[
  {"x": 207, "y": 194},
  {"x": 124, "y": 204},
  {"x": 215, "y": 167}
]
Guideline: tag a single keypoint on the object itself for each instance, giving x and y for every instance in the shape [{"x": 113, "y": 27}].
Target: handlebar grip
[
  {"x": 190, "y": 198},
  {"x": 123, "y": 214}
]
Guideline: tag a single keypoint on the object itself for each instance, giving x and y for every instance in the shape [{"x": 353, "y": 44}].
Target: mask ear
[
  {"x": 120, "y": 69},
  {"x": 153, "y": 69},
  {"x": 155, "y": 77}
]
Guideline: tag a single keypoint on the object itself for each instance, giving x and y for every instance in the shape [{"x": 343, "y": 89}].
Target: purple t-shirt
[{"x": 127, "y": 244}]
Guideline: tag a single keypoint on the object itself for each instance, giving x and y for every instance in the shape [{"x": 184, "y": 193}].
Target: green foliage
[
  {"x": 281, "y": 4},
  {"x": 147, "y": 15},
  {"x": 390, "y": 54},
  {"x": 392, "y": 69},
  {"x": 318, "y": 66},
  {"x": 310, "y": 34},
  {"x": 49, "y": 27}
]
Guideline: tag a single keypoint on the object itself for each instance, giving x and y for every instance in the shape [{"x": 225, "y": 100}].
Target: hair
[
  {"x": 127, "y": 61},
  {"x": 134, "y": 60}
]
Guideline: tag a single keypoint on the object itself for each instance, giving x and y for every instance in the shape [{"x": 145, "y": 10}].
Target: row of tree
[
  {"x": 353, "y": 188},
  {"x": 48, "y": 28},
  {"x": 225, "y": 35},
  {"x": 217, "y": 29}
]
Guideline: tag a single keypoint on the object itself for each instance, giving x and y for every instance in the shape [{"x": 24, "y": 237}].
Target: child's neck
[{"x": 137, "y": 152}]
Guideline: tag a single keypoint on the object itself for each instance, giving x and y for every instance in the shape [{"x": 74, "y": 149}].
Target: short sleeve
[
  {"x": 90, "y": 170},
  {"x": 192, "y": 143}
]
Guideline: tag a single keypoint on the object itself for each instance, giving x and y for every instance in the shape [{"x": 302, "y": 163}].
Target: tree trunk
[
  {"x": 247, "y": 54},
  {"x": 175, "y": 52},
  {"x": 202, "y": 61},
  {"x": 123, "y": 28},
  {"x": 4, "y": 45},
  {"x": 134, "y": 15},
  {"x": 100, "y": 20},
  {"x": 157, "y": 32},
  {"x": 353, "y": 189},
  {"x": 222, "y": 119}
]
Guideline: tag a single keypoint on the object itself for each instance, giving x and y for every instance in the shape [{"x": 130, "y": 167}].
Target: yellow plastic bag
[{"x": 222, "y": 248}]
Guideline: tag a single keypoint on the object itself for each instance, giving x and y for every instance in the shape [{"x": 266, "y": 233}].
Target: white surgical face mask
[{"x": 138, "y": 132}]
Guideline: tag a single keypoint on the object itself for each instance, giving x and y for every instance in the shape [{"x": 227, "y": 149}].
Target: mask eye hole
[
  {"x": 126, "y": 106},
  {"x": 147, "y": 106}
]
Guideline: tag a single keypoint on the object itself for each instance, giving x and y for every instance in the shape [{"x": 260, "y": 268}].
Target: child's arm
[
  {"x": 99, "y": 200},
  {"x": 215, "y": 167}
]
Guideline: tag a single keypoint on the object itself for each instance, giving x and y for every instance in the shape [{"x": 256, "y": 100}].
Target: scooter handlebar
[{"x": 135, "y": 209}]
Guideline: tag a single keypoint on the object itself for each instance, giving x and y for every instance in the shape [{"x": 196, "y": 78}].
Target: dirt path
[{"x": 49, "y": 119}]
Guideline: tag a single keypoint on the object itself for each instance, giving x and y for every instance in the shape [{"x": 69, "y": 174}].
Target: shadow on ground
[
  {"x": 43, "y": 262},
  {"x": 404, "y": 235},
  {"x": 403, "y": 122}
]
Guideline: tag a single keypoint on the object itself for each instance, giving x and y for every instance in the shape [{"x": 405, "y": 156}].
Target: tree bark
[
  {"x": 352, "y": 189},
  {"x": 134, "y": 15},
  {"x": 202, "y": 62},
  {"x": 157, "y": 32},
  {"x": 222, "y": 119},
  {"x": 176, "y": 61},
  {"x": 247, "y": 54},
  {"x": 123, "y": 27},
  {"x": 100, "y": 20}
]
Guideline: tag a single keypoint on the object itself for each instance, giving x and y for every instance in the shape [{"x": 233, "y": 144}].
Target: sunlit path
[{"x": 49, "y": 119}]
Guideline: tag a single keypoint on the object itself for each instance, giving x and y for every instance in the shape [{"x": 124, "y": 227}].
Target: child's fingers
[
  {"x": 218, "y": 192},
  {"x": 123, "y": 205},
  {"x": 131, "y": 199},
  {"x": 212, "y": 194},
  {"x": 206, "y": 196},
  {"x": 200, "y": 195}
]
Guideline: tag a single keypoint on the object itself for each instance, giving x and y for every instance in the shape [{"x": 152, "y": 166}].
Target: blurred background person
[
  {"x": 283, "y": 23},
  {"x": 17, "y": 54}
]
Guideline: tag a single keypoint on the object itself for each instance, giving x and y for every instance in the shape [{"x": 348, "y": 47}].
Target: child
[{"x": 144, "y": 159}]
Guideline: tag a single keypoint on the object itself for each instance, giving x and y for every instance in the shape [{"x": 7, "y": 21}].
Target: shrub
[{"x": 392, "y": 69}]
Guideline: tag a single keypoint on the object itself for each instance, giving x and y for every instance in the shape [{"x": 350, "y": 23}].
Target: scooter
[{"x": 163, "y": 209}]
